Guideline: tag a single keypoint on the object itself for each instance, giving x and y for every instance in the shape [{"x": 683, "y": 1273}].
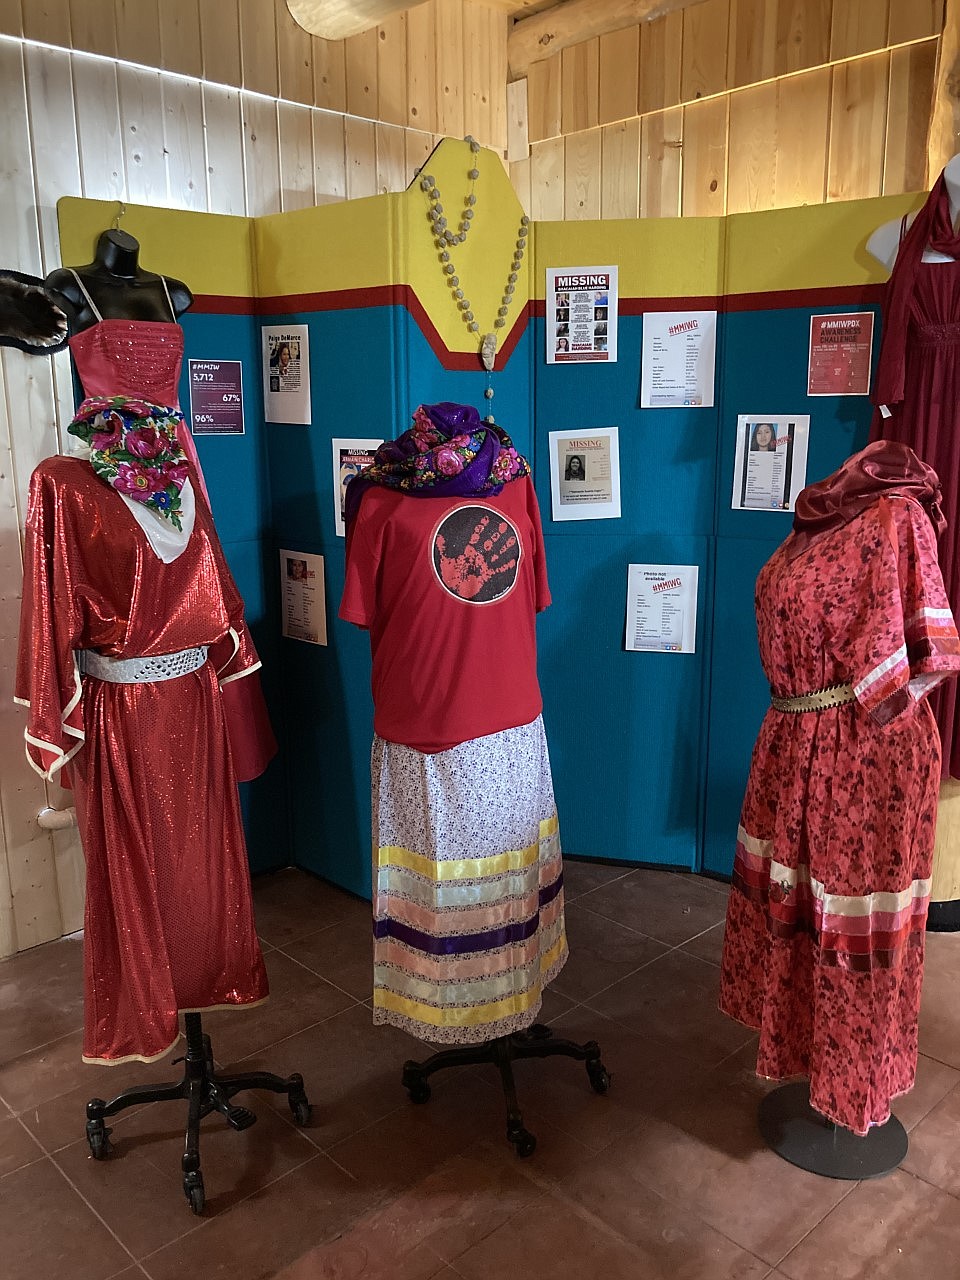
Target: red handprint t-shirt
[{"x": 449, "y": 589}]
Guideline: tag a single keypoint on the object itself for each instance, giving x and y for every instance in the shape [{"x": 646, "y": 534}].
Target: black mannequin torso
[{"x": 119, "y": 286}]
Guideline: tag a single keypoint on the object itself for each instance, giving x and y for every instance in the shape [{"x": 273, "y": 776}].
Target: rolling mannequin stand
[
  {"x": 204, "y": 1091},
  {"x": 802, "y": 1136},
  {"x": 536, "y": 1042}
]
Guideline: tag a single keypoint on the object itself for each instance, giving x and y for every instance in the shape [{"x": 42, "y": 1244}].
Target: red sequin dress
[
  {"x": 823, "y": 950},
  {"x": 169, "y": 922}
]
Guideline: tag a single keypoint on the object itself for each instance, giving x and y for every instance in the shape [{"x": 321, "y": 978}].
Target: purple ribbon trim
[{"x": 462, "y": 943}]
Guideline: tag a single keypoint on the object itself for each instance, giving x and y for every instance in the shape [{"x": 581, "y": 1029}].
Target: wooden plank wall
[
  {"x": 230, "y": 108},
  {"x": 731, "y": 105}
]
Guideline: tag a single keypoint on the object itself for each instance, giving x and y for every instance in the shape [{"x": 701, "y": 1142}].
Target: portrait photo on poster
[
  {"x": 770, "y": 464},
  {"x": 303, "y": 597},
  {"x": 350, "y": 457},
  {"x": 581, "y": 315},
  {"x": 285, "y": 355},
  {"x": 585, "y": 474}
]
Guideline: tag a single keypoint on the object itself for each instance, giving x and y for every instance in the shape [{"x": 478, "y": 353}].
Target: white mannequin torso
[{"x": 884, "y": 243}]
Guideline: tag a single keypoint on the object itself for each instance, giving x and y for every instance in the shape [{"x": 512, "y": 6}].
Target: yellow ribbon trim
[
  {"x": 396, "y": 855},
  {"x": 477, "y": 1015}
]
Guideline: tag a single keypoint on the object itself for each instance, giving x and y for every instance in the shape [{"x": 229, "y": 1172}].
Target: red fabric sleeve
[
  {"x": 48, "y": 679},
  {"x": 358, "y": 604},
  {"x": 541, "y": 586},
  {"x": 910, "y": 642},
  {"x": 237, "y": 664}
]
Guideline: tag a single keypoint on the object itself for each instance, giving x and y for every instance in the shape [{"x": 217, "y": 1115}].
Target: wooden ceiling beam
[{"x": 540, "y": 36}]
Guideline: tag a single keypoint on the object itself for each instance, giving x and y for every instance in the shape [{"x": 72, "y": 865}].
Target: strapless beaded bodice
[{"x": 130, "y": 358}]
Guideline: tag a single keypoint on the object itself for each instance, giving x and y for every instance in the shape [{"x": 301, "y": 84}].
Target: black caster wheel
[
  {"x": 98, "y": 1139},
  {"x": 599, "y": 1077},
  {"x": 419, "y": 1092},
  {"x": 524, "y": 1143},
  {"x": 193, "y": 1190},
  {"x": 302, "y": 1111}
]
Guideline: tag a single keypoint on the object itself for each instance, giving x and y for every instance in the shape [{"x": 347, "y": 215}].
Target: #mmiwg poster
[
  {"x": 679, "y": 357},
  {"x": 303, "y": 597},
  {"x": 350, "y": 457},
  {"x": 841, "y": 346},
  {"x": 585, "y": 474},
  {"x": 770, "y": 467},
  {"x": 581, "y": 315},
  {"x": 285, "y": 352},
  {"x": 662, "y": 608}
]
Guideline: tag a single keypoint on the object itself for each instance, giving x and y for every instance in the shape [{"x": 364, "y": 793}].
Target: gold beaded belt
[{"x": 834, "y": 695}]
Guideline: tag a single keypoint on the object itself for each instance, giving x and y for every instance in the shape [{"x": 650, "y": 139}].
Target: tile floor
[{"x": 665, "y": 1178}]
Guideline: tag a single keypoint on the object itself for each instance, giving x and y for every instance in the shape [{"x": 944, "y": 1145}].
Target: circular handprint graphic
[{"x": 476, "y": 554}]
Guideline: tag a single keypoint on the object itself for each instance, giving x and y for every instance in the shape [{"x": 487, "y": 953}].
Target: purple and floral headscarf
[
  {"x": 447, "y": 453},
  {"x": 135, "y": 449}
]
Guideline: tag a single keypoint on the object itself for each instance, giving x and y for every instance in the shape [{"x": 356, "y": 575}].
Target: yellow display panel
[{"x": 212, "y": 253}]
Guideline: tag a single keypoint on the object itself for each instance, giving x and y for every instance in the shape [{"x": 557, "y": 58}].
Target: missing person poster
[
  {"x": 303, "y": 597},
  {"x": 662, "y": 608},
  {"x": 771, "y": 461},
  {"x": 841, "y": 347},
  {"x": 581, "y": 315},
  {"x": 585, "y": 474},
  {"x": 679, "y": 358},
  {"x": 285, "y": 352},
  {"x": 350, "y": 457}
]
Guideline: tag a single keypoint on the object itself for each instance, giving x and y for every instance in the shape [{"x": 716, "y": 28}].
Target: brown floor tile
[
  {"x": 707, "y": 945},
  {"x": 342, "y": 953},
  {"x": 351, "y": 1071},
  {"x": 940, "y": 1009},
  {"x": 674, "y": 1243},
  {"x": 49, "y": 1072},
  {"x": 17, "y": 1148},
  {"x": 706, "y": 1155},
  {"x": 558, "y": 1152},
  {"x": 934, "y": 1153},
  {"x": 41, "y": 996},
  {"x": 408, "y": 1144},
  {"x": 934, "y": 1081},
  {"x": 260, "y": 1236},
  {"x": 291, "y": 904},
  {"x": 665, "y": 905},
  {"x": 437, "y": 1218},
  {"x": 551, "y": 1238},
  {"x": 554, "y": 1005},
  {"x": 298, "y": 999},
  {"x": 583, "y": 877},
  {"x": 893, "y": 1228},
  {"x": 673, "y": 1002},
  {"x": 601, "y": 953},
  {"x": 48, "y": 1231},
  {"x": 644, "y": 1078}
]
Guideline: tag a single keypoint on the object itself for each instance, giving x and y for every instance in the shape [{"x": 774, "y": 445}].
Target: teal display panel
[
  {"x": 626, "y": 730},
  {"x": 764, "y": 371},
  {"x": 370, "y": 368},
  {"x": 237, "y": 478}
]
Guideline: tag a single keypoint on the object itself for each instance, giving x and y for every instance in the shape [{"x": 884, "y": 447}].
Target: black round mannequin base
[{"x": 802, "y": 1136}]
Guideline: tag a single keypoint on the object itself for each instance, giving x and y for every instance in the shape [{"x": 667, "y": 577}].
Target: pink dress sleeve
[
  {"x": 910, "y": 642},
  {"x": 48, "y": 678}
]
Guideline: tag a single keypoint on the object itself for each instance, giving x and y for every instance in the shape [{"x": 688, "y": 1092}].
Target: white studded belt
[{"x": 164, "y": 666}]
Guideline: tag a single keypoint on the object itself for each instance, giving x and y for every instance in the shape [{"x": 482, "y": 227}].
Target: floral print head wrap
[
  {"x": 134, "y": 448},
  {"x": 448, "y": 452}
]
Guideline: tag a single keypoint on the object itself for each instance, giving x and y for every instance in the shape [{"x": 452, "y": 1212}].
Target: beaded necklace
[{"x": 445, "y": 239}]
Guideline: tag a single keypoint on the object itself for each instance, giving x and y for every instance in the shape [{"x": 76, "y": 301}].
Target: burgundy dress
[
  {"x": 926, "y": 341},
  {"x": 823, "y": 951},
  {"x": 169, "y": 923}
]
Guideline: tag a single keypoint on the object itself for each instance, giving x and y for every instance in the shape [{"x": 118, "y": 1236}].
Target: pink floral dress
[{"x": 824, "y": 939}]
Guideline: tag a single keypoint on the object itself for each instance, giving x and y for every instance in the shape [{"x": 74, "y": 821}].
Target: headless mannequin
[
  {"x": 118, "y": 285},
  {"x": 884, "y": 243}
]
